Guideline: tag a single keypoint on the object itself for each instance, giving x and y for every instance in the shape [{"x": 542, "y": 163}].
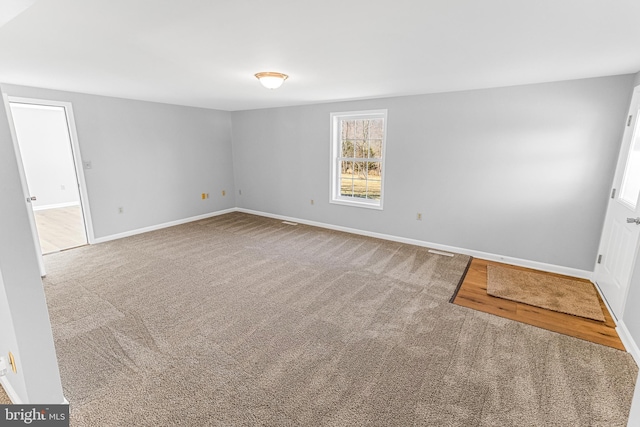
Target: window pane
[
  {"x": 347, "y": 148},
  {"x": 346, "y": 178},
  {"x": 374, "y": 170},
  {"x": 365, "y": 129},
  {"x": 359, "y": 169},
  {"x": 375, "y": 148},
  {"x": 361, "y": 148},
  {"x": 347, "y": 167},
  {"x": 362, "y": 179},
  {"x": 376, "y": 129},
  {"x": 349, "y": 129},
  {"x": 631, "y": 181},
  {"x": 359, "y": 129},
  {"x": 359, "y": 187},
  {"x": 374, "y": 189},
  {"x": 346, "y": 186}
]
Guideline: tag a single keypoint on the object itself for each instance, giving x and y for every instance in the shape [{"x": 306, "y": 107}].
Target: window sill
[{"x": 357, "y": 204}]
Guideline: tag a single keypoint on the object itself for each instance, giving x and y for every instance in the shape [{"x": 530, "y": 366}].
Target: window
[
  {"x": 631, "y": 178},
  {"x": 357, "y": 158}
]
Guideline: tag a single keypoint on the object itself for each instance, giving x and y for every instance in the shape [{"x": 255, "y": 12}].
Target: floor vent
[{"x": 433, "y": 251}]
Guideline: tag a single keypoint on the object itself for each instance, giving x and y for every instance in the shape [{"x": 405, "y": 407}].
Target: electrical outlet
[
  {"x": 224, "y": 193},
  {"x": 419, "y": 216},
  {"x": 120, "y": 209},
  {"x": 312, "y": 202}
]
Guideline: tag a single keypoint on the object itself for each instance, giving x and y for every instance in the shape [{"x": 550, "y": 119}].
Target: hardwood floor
[
  {"x": 60, "y": 228},
  {"x": 473, "y": 294}
]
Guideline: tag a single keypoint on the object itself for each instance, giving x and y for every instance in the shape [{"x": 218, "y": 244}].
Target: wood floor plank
[
  {"x": 60, "y": 228},
  {"x": 473, "y": 294}
]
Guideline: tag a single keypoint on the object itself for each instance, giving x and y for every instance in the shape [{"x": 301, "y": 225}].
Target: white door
[
  {"x": 619, "y": 242},
  {"x": 43, "y": 137},
  {"x": 77, "y": 161}
]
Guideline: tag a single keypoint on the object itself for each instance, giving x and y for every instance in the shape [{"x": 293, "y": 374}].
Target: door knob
[{"x": 636, "y": 220}]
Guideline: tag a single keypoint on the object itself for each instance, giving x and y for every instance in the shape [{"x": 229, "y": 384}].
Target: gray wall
[
  {"x": 25, "y": 329},
  {"x": 631, "y": 319},
  {"x": 154, "y": 160},
  {"x": 521, "y": 171}
]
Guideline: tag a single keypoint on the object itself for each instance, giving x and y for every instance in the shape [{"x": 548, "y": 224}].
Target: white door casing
[
  {"x": 75, "y": 149},
  {"x": 621, "y": 231},
  {"x": 25, "y": 187}
]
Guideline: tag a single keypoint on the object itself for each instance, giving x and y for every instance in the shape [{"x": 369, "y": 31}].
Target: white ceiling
[
  {"x": 9, "y": 9},
  {"x": 205, "y": 52}
]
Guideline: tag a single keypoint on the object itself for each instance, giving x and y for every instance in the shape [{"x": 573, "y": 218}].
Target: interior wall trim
[
  {"x": 11, "y": 392},
  {"x": 551, "y": 268},
  {"x": 628, "y": 341},
  {"x": 621, "y": 328},
  {"x": 161, "y": 226}
]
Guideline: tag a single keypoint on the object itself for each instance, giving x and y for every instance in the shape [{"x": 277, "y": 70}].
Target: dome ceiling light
[{"x": 271, "y": 80}]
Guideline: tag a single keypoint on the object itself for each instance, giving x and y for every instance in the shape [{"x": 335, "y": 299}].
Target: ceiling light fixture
[{"x": 271, "y": 80}]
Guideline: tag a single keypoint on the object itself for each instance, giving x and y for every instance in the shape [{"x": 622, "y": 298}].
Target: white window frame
[{"x": 335, "y": 196}]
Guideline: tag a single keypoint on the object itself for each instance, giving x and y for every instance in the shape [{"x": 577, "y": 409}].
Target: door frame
[
  {"x": 77, "y": 161},
  {"x": 621, "y": 164}
]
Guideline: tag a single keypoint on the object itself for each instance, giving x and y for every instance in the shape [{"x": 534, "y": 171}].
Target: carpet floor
[
  {"x": 241, "y": 320},
  {"x": 4, "y": 398}
]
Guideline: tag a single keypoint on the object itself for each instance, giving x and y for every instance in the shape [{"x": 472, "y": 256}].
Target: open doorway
[{"x": 46, "y": 151}]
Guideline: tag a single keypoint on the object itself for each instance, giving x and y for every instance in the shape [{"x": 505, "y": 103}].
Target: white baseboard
[
  {"x": 621, "y": 329},
  {"x": 13, "y": 396},
  {"x": 11, "y": 392},
  {"x": 551, "y": 268},
  {"x": 628, "y": 341},
  {"x": 606, "y": 303},
  {"x": 56, "y": 206},
  {"x": 160, "y": 226}
]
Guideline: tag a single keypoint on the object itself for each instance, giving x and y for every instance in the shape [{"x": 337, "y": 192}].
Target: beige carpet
[
  {"x": 4, "y": 399},
  {"x": 239, "y": 320},
  {"x": 553, "y": 293}
]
